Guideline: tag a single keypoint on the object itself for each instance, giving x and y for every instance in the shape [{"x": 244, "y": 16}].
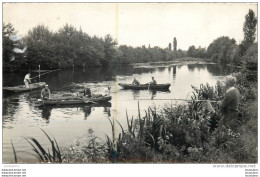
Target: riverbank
[
  {"x": 176, "y": 62},
  {"x": 181, "y": 134}
]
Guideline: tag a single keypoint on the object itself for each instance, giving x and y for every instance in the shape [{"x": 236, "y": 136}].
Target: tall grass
[{"x": 45, "y": 155}]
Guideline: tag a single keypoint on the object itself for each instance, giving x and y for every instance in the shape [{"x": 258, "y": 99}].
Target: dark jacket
[
  {"x": 136, "y": 82},
  {"x": 45, "y": 93},
  {"x": 86, "y": 92}
]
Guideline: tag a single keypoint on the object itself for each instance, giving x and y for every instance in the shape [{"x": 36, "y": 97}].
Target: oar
[{"x": 45, "y": 73}]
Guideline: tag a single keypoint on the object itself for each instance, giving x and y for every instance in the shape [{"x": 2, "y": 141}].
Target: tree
[
  {"x": 249, "y": 28},
  {"x": 222, "y": 50},
  {"x": 109, "y": 49},
  {"x": 191, "y": 51},
  {"x": 8, "y": 44},
  {"x": 175, "y": 44},
  {"x": 170, "y": 47},
  {"x": 40, "y": 47},
  {"x": 13, "y": 49}
]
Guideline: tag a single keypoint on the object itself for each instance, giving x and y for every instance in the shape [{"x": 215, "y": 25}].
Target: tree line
[{"x": 69, "y": 47}]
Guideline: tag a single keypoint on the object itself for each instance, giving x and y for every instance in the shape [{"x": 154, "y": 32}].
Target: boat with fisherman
[
  {"x": 72, "y": 100},
  {"x": 146, "y": 86},
  {"x": 22, "y": 88}
]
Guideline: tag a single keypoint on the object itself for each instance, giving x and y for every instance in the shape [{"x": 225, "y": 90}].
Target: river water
[{"x": 21, "y": 118}]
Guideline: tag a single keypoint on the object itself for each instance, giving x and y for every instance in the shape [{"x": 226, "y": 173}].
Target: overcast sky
[{"x": 138, "y": 23}]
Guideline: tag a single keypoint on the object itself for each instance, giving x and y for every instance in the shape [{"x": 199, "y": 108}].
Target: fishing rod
[
  {"x": 45, "y": 73},
  {"x": 179, "y": 99}
]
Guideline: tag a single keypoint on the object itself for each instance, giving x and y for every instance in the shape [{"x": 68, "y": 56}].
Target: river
[{"x": 21, "y": 118}]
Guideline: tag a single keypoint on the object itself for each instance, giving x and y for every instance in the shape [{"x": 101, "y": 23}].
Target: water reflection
[
  {"x": 153, "y": 94},
  {"x": 196, "y": 66},
  {"x": 136, "y": 94},
  {"x": 217, "y": 70},
  {"x": 87, "y": 111},
  {"x": 107, "y": 111},
  {"x": 46, "y": 113}
]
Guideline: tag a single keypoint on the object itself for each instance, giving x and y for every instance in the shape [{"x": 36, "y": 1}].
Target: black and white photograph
[{"x": 130, "y": 83}]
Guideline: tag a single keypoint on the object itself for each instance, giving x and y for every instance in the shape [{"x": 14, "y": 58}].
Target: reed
[
  {"x": 44, "y": 155},
  {"x": 14, "y": 152}
]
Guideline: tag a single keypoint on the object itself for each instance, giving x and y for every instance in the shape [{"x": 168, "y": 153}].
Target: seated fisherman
[
  {"x": 27, "y": 80},
  {"x": 46, "y": 93},
  {"x": 154, "y": 82},
  {"x": 135, "y": 82},
  {"x": 229, "y": 105},
  {"x": 86, "y": 92}
]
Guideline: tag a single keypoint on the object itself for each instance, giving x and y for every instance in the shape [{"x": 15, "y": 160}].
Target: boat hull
[
  {"x": 145, "y": 86},
  {"x": 74, "y": 100},
  {"x": 21, "y": 88}
]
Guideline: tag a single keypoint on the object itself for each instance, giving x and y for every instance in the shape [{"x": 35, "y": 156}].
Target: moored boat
[
  {"x": 71, "y": 100},
  {"x": 22, "y": 88},
  {"x": 145, "y": 86}
]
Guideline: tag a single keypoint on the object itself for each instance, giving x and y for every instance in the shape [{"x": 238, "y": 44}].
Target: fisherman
[
  {"x": 154, "y": 82},
  {"x": 27, "y": 80},
  {"x": 107, "y": 91},
  {"x": 229, "y": 105},
  {"x": 86, "y": 92},
  {"x": 135, "y": 82},
  {"x": 45, "y": 93}
]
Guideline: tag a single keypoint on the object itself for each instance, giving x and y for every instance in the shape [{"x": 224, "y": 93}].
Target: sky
[{"x": 137, "y": 24}]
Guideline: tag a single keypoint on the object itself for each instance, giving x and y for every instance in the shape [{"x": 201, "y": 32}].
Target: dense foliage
[
  {"x": 12, "y": 44},
  {"x": 196, "y": 53},
  {"x": 127, "y": 54},
  {"x": 222, "y": 50},
  {"x": 72, "y": 48},
  {"x": 67, "y": 48}
]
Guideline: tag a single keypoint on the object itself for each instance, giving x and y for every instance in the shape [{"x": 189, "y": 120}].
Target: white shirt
[{"x": 27, "y": 77}]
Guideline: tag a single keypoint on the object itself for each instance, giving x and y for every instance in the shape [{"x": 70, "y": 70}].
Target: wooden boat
[
  {"x": 146, "y": 86},
  {"x": 71, "y": 100},
  {"x": 98, "y": 104},
  {"x": 22, "y": 88}
]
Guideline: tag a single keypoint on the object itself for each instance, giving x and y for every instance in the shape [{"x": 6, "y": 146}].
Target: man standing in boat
[
  {"x": 46, "y": 93},
  {"x": 135, "y": 82},
  {"x": 27, "y": 80}
]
